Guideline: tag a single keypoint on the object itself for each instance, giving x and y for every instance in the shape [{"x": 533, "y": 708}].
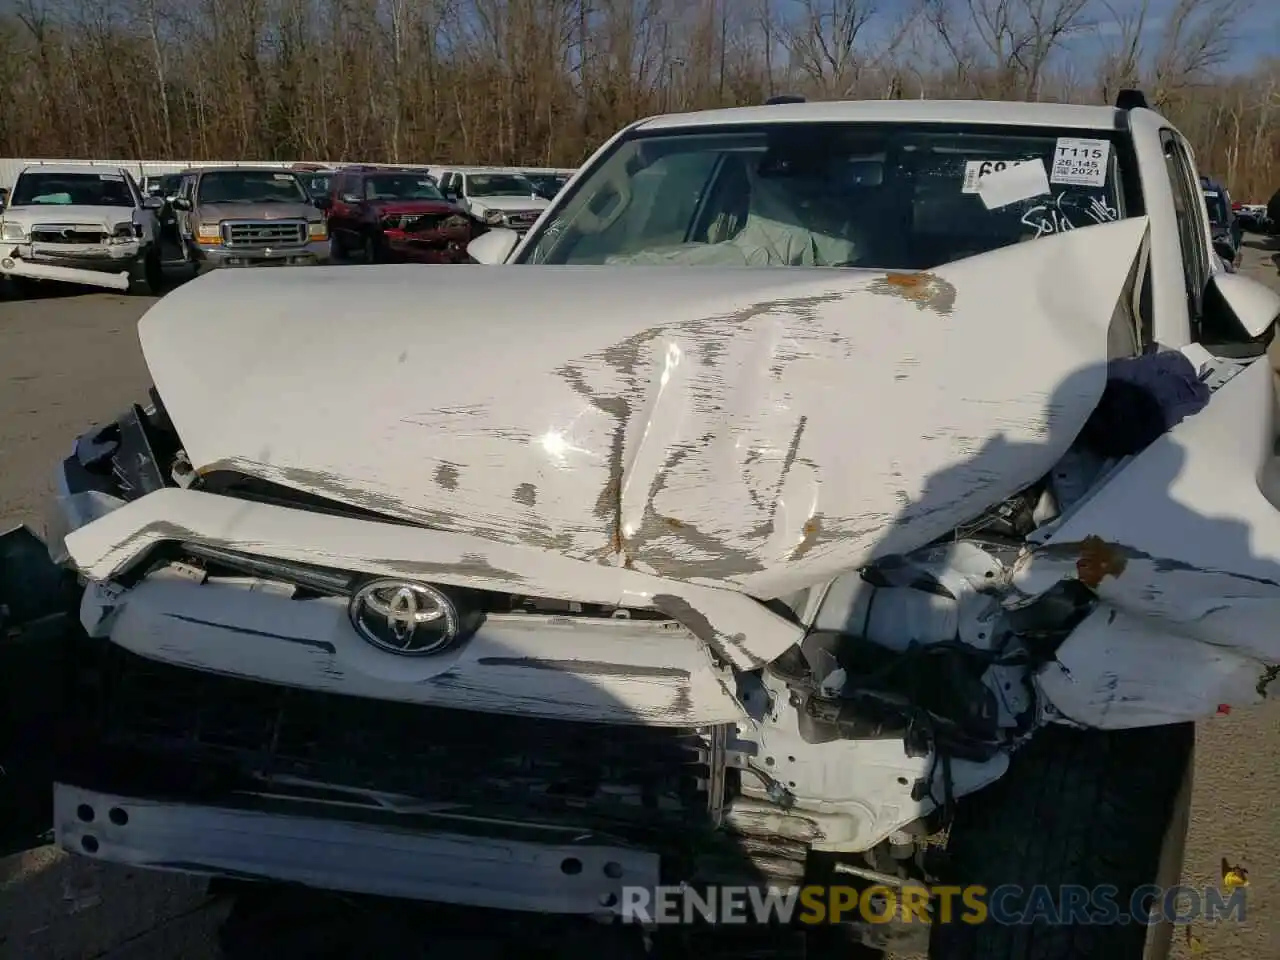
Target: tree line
[{"x": 544, "y": 82}]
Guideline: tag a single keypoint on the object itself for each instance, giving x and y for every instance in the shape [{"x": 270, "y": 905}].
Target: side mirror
[
  {"x": 1225, "y": 249},
  {"x": 1240, "y": 315},
  {"x": 493, "y": 247},
  {"x": 451, "y": 196},
  {"x": 181, "y": 203},
  {"x": 322, "y": 203},
  {"x": 152, "y": 203},
  {"x": 349, "y": 198}
]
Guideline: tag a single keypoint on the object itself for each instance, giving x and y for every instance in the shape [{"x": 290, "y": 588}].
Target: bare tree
[{"x": 545, "y": 81}]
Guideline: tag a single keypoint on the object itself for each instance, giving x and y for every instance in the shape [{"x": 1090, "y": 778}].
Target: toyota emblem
[{"x": 409, "y": 619}]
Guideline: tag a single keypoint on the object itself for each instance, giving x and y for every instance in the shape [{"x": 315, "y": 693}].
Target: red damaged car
[{"x": 383, "y": 215}]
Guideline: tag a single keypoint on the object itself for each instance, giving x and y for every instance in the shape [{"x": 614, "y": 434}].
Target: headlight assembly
[
  {"x": 13, "y": 232},
  {"x": 495, "y": 217},
  {"x": 209, "y": 233}
]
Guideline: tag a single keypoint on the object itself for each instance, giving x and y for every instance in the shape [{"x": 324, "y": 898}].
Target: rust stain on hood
[
  {"x": 926, "y": 290},
  {"x": 1099, "y": 559}
]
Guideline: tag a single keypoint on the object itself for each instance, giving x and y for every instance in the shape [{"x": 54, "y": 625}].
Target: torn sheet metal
[
  {"x": 566, "y": 668},
  {"x": 1187, "y": 535},
  {"x": 1116, "y": 671},
  {"x": 332, "y": 854},
  {"x": 743, "y": 632},
  {"x": 764, "y": 429}
]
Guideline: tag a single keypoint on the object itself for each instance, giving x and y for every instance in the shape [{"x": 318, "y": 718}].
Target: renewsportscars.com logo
[{"x": 1008, "y": 905}]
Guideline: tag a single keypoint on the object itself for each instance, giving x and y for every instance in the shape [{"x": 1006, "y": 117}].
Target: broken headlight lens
[
  {"x": 124, "y": 232},
  {"x": 13, "y": 232},
  {"x": 495, "y": 218}
]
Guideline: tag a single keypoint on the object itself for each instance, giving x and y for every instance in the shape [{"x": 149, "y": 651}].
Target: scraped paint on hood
[{"x": 756, "y": 428}]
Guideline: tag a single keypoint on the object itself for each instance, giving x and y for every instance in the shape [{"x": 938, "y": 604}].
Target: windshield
[
  {"x": 1217, "y": 207},
  {"x": 81, "y": 189},
  {"x": 499, "y": 185},
  {"x": 250, "y": 186},
  {"x": 317, "y": 184},
  {"x": 401, "y": 186},
  {"x": 548, "y": 184},
  {"x": 865, "y": 195}
]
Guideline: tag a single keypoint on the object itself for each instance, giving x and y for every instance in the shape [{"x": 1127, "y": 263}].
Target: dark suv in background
[
  {"x": 1228, "y": 233},
  {"x": 381, "y": 214}
]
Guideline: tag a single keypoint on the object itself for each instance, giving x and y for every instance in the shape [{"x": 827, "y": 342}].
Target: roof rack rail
[
  {"x": 784, "y": 98},
  {"x": 1130, "y": 99}
]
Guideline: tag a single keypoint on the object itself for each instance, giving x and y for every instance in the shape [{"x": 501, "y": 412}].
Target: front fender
[{"x": 1182, "y": 547}]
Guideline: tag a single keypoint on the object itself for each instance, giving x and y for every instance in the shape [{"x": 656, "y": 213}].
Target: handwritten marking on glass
[{"x": 1052, "y": 216}]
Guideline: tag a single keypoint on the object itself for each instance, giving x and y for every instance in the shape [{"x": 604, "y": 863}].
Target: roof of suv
[
  {"x": 200, "y": 171},
  {"x": 986, "y": 112},
  {"x": 370, "y": 169},
  {"x": 63, "y": 169}
]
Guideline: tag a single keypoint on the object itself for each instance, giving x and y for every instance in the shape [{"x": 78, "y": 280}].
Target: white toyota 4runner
[
  {"x": 914, "y": 563},
  {"x": 81, "y": 223}
]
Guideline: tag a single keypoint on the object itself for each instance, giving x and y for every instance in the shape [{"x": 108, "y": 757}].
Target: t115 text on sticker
[{"x": 1080, "y": 162}]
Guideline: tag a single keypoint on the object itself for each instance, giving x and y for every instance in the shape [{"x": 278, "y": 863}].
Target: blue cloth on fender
[{"x": 1144, "y": 398}]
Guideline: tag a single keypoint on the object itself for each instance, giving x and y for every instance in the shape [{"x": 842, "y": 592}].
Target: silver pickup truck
[
  {"x": 245, "y": 216},
  {"x": 80, "y": 223}
]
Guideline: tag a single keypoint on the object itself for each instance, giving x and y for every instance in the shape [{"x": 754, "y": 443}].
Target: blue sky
[{"x": 1255, "y": 30}]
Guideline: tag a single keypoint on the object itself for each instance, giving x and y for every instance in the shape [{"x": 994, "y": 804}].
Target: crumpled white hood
[{"x": 760, "y": 428}]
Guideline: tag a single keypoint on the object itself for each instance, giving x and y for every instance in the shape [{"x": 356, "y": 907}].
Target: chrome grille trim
[{"x": 264, "y": 233}]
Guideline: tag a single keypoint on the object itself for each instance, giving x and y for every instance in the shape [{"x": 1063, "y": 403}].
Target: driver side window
[
  {"x": 1189, "y": 211},
  {"x": 664, "y": 200}
]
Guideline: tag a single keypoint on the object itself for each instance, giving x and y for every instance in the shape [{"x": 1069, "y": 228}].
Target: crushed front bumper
[
  {"x": 556, "y": 875},
  {"x": 433, "y": 247},
  {"x": 92, "y": 264}
]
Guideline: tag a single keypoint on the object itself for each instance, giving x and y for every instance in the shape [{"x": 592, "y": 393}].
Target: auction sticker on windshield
[
  {"x": 1080, "y": 162},
  {"x": 975, "y": 170}
]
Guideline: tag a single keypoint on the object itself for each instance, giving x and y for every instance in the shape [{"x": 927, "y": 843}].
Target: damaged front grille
[
  {"x": 236, "y": 736},
  {"x": 523, "y": 218},
  {"x": 67, "y": 233},
  {"x": 337, "y": 582},
  {"x": 264, "y": 233},
  {"x": 414, "y": 223}
]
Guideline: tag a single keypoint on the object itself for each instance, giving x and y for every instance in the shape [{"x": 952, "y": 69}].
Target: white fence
[{"x": 10, "y": 167}]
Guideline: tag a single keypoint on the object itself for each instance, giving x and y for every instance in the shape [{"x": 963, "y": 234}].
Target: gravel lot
[{"x": 70, "y": 357}]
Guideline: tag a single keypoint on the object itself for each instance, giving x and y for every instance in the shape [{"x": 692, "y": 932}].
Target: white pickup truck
[
  {"x": 897, "y": 538},
  {"x": 81, "y": 223}
]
